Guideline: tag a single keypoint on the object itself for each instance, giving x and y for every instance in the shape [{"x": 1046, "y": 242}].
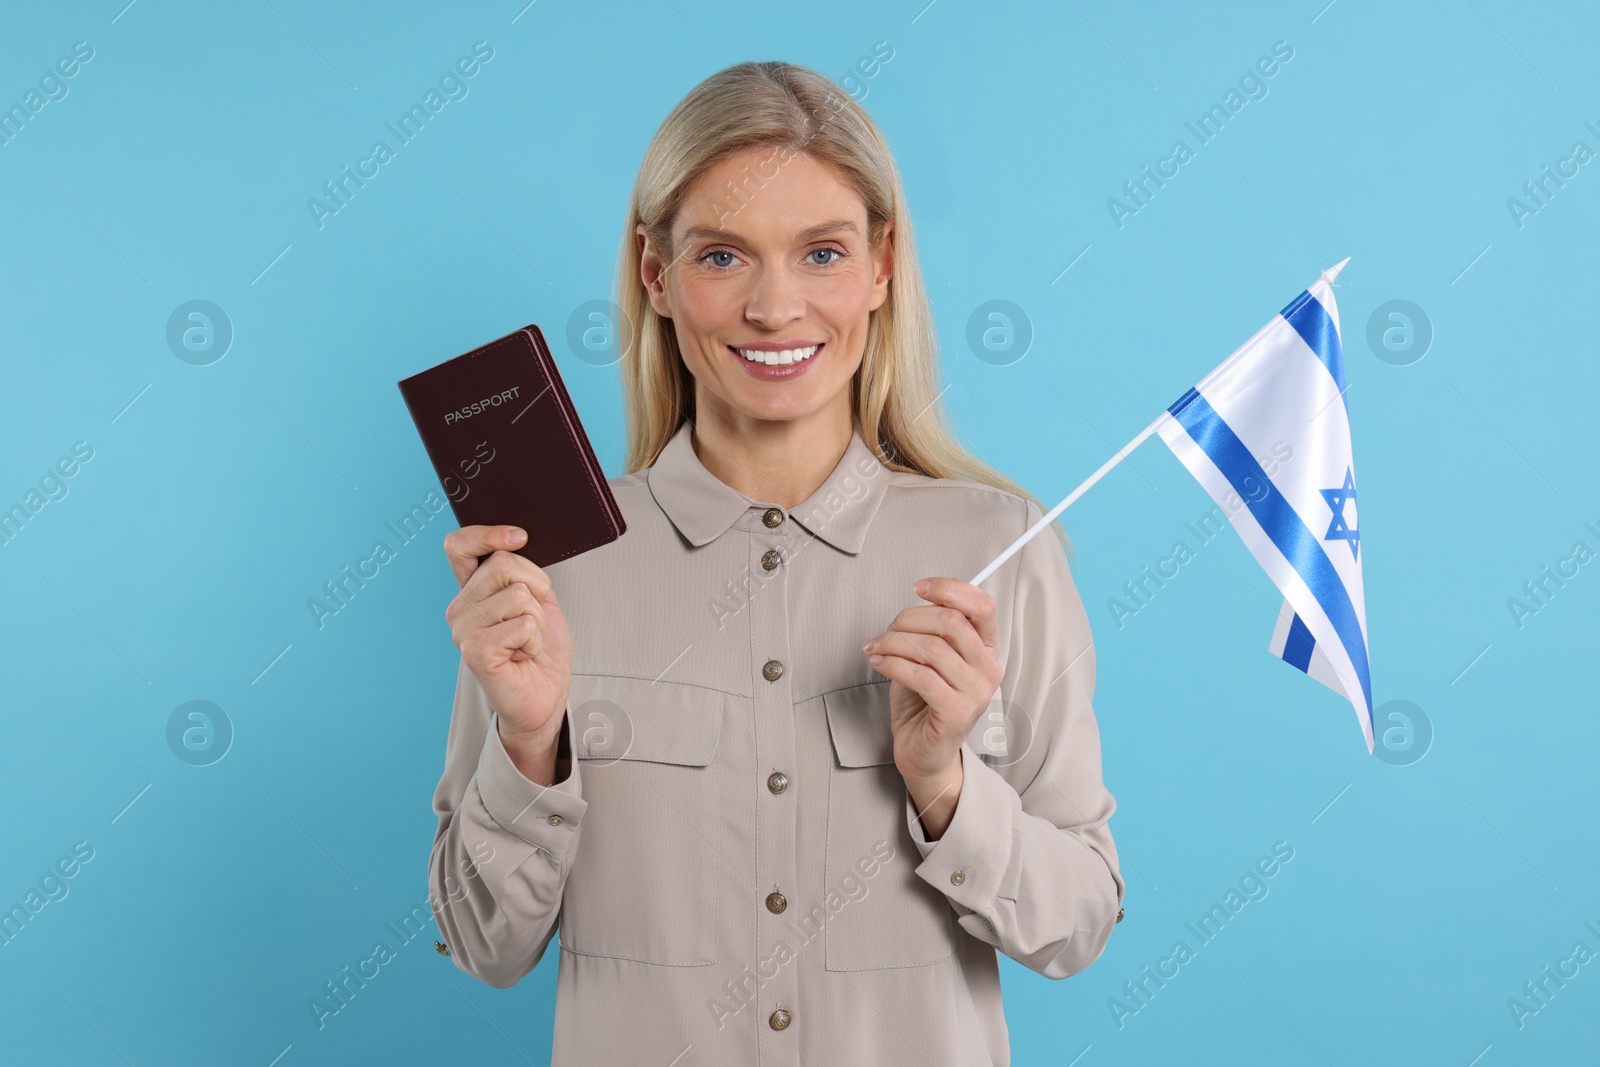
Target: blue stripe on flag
[
  {"x": 1281, "y": 523},
  {"x": 1298, "y": 644},
  {"x": 1315, "y": 326}
]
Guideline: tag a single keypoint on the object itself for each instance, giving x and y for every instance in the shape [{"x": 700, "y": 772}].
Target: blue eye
[
  {"x": 718, "y": 252},
  {"x": 834, "y": 252}
]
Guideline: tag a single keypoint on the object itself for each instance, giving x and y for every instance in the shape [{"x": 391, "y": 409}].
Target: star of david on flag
[{"x": 1286, "y": 385}]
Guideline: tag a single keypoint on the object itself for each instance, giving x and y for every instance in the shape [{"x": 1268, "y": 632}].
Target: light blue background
[{"x": 179, "y": 565}]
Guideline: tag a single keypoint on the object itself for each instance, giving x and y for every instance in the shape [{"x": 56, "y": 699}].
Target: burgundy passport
[{"x": 507, "y": 445}]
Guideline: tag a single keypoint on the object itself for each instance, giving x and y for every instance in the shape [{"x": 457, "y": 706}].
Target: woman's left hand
[{"x": 942, "y": 660}]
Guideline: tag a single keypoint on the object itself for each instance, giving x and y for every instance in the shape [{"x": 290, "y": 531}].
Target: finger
[
  {"x": 974, "y": 603},
  {"x": 504, "y": 639},
  {"x": 945, "y": 622},
  {"x": 920, "y": 679},
  {"x": 502, "y": 569},
  {"x": 466, "y": 546},
  {"x": 515, "y": 599},
  {"x": 932, "y": 651}
]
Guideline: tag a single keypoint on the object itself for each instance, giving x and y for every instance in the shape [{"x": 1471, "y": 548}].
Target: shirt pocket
[
  {"x": 643, "y": 882},
  {"x": 886, "y": 915}
]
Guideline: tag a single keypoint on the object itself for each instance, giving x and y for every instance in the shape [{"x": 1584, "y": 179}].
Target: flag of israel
[{"x": 1285, "y": 387}]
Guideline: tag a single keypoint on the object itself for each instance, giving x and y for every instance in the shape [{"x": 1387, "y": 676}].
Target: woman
[{"x": 735, "y": 754}]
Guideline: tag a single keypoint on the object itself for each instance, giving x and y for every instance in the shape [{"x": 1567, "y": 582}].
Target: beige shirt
[{"x": 734, "y": 865}]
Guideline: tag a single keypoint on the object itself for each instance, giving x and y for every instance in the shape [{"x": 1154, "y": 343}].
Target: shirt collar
[{"x": 703, "y": 507}]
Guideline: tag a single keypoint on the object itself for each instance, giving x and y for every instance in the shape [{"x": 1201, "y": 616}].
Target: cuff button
[
  {"x": 441, "y": 948},
  {"x": 957, "y": 877}
]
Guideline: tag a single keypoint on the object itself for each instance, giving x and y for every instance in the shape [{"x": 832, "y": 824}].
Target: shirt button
[
  {"x": 554, "y": 820},
  {"x": 776, "y": 902},
  {"x": 957, "y": 877},
  {"x": 770, "y": 559},
  {"x": 779, "y": 1020},
  {"x": 777, "y": 782},
  {"x": 772, "y": 671},
  {"x": 441, "y": 948},
  {"x": 772, "y": 517}
]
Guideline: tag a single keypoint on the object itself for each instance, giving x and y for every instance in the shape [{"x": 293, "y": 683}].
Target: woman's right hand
[{"x": 513, "y": 637}]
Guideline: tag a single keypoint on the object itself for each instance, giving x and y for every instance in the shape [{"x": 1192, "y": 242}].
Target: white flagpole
[
  {"x": 1328, "y": 276},
  {"x": 1044, "y": 520}
]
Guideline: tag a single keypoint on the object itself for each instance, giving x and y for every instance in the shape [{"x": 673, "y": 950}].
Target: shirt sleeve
[
  {"x": 1027, "y": 861},
  {"x": 504, "y": 845}
]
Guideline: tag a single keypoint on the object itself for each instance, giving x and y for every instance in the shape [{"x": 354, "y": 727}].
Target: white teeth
[{"x": 778, "y": 359}]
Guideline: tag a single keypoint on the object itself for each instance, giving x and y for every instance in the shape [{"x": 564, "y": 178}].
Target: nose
[{"x": 774, "y": 301}]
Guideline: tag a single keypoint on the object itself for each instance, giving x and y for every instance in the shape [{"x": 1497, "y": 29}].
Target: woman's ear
[
  {"x": 882, "y": 266},
  {"x": 652, "y": 273}
]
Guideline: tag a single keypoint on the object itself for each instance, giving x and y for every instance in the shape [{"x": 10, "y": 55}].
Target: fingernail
[
  {"x": 922, "y": 587},
  {"x": 515, "y": 537},
  {"x": 867, "y": 647}
]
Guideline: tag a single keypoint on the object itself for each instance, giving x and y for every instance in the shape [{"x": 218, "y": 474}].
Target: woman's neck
[{"x": 781, "y": 461}]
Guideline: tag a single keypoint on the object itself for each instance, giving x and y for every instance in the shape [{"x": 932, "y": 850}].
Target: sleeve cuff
[
  {"x": 546, "y": 817},
  {"x": 968, "y": 863}
]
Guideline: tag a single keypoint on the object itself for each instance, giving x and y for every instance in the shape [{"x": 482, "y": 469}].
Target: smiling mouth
[{"x": 780, "y": 358}]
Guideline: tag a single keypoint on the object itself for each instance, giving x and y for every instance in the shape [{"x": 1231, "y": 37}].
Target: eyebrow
[{"x": 810, "y": 234}]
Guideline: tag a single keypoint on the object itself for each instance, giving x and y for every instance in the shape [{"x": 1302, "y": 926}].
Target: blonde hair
[{"x": 895, "y": 399}]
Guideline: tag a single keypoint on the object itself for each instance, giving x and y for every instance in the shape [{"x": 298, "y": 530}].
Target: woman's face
[{"x": 770, "y": 288}]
